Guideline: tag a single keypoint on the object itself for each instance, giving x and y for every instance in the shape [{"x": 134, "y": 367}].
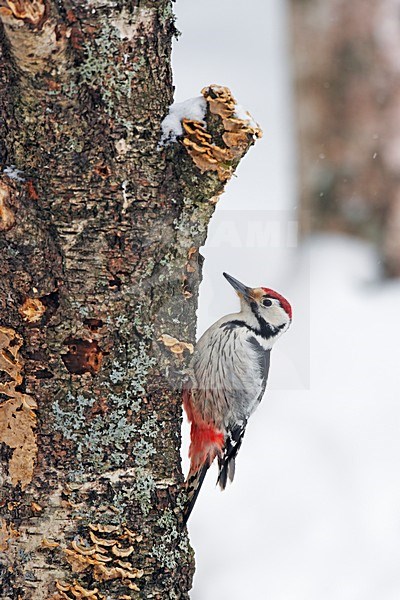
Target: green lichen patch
[
  {"x": 103, "y": 443},
  {"x": 107, "y": 72},
  {"x": 170, "y": 543},
  {"x": 193, "y": 222}
]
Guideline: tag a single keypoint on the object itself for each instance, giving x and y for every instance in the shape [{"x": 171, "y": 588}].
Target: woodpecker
[{"x": 226, "y": 381}]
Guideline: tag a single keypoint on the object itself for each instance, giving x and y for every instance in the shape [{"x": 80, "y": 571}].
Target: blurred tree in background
[{"x": 348, "y": 107}]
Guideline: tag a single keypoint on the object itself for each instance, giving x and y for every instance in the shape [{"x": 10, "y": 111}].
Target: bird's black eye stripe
[{"x": 267, "y": 302}]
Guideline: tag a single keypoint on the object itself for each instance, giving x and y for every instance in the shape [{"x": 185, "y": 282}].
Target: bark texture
[
  {"x": 348, "y": 98},
  {"x": 99, "y": 271}
]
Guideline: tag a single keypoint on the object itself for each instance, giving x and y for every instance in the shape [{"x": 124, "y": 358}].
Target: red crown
[{"x": 284, "y": 303}]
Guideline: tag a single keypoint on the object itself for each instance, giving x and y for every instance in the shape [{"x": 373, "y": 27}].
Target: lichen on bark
[{"x": 99, "y": 265}]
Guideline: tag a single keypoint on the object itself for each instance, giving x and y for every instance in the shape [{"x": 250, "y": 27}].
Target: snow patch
[
  {"x": 195, "y": 109},
  {"x": 242, "y": 114},
  {"x": 324, "y": 507},
  {"x": 13, "y": 173},
  {"x": 171, "y": 126}
]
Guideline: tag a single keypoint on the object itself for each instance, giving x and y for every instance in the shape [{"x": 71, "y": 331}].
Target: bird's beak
[{"x": 240, "y": 288}]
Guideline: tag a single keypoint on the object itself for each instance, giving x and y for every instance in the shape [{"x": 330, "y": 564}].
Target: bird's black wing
[
  {"x": 234, "y": 438},
  {"x": 226, "y": 462}
]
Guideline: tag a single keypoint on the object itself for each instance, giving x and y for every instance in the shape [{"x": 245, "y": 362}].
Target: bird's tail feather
[
  {"x": 226, "y": 462},
  {"x": 193, "y": 486},
  {"x": 226, "y": 471}
]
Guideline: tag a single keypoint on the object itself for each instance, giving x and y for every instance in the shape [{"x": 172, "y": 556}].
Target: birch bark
[{"x": 99, "y": 235}]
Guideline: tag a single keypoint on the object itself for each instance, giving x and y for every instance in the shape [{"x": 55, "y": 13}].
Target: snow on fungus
[
  {"x": 244, "y": 115},
  {"x": 171, "y": 126},
  {"x": 17, "y": 416},
  {"x": 239, "y": 132}
]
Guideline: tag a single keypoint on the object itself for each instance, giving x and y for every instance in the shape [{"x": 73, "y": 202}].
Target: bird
[{"x": 226, "y": 380}]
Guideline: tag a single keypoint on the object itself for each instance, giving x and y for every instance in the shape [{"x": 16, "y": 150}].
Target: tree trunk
[
  {"x": 348, "y": 93},
  {"x": 99, "y": 234}
]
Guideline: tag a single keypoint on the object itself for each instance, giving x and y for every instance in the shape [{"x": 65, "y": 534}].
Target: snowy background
[{"x": 314, "y": 511}]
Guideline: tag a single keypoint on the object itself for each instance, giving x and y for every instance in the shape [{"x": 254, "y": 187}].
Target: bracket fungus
[
  {"x": 32, "y": 12},
  {"x": 75, "y": 591},
  {"x": 105, "y": 556},
  {"x": 37, "y": 37},
  {"x": 7, "y": 533},
  {"x": 17, "y": 414},
  {"x": 239, "y": 131},
  {"x": 174, "y": 345},
  {"x": 7, "y": 217}
]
